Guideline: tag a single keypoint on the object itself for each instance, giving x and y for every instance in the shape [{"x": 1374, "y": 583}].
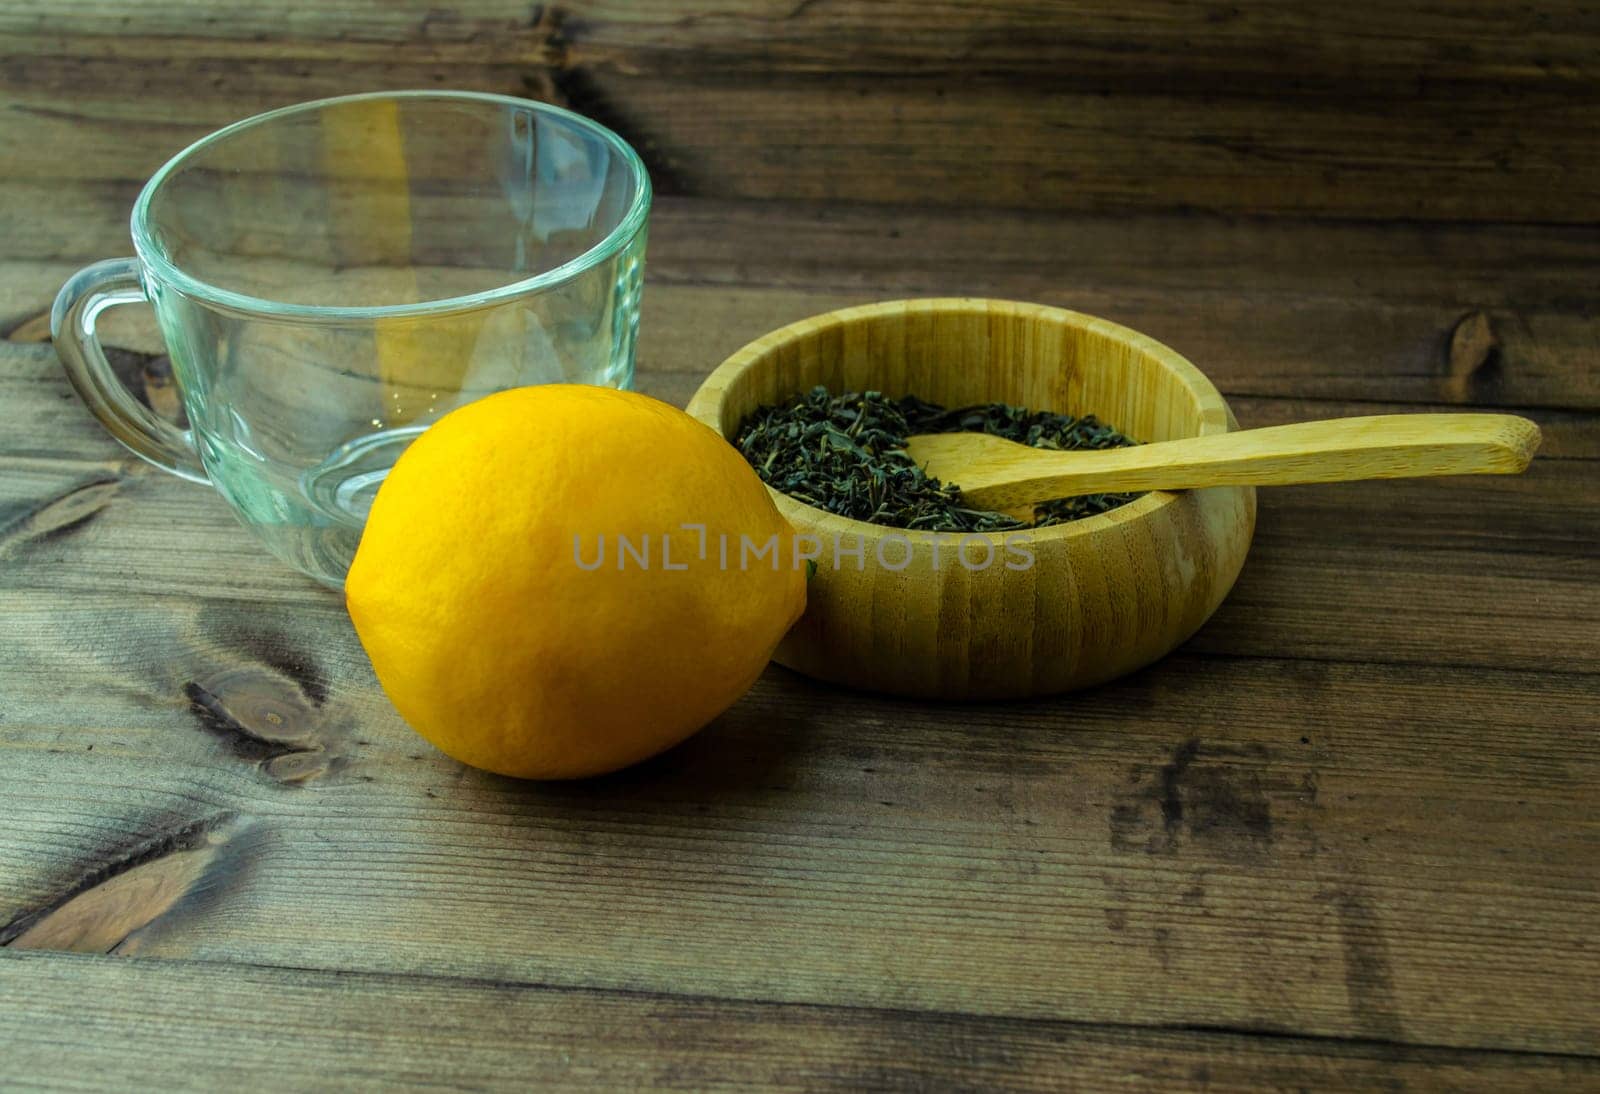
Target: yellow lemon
[{"x": 532, "y": 600}]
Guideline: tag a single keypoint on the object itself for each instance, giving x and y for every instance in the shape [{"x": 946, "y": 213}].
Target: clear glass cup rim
[{"x": 169, "y": 273}]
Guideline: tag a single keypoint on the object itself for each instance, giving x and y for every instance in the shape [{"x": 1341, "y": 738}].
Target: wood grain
[
  {"x": 1348, "y": 312},
  {"x": 1493, "y": 572},
  {"x": 199, "y": 1027},
  {"x": 1343, "y": 850},
  {"x": 1341, "y": 839},
  {"x": 1344, "y": 312},
  {"x": 996, "y": 615},
  {"x": 1000, "y": 474},
  {"x": 1395, "y": 573},
  {"x": 1472, "y": 111}
]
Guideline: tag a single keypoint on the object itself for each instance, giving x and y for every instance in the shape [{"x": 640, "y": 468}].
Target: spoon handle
[{"x": 1385, "y": 446}]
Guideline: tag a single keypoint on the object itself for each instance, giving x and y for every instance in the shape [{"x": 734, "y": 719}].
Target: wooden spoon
[{"x": 999, "y": 474}]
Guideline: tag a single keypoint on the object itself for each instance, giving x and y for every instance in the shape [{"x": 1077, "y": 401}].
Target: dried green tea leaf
[{"x": 846, "y": 454}]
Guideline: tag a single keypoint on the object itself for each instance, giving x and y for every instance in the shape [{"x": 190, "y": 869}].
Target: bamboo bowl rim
[{"x": 706, "y": 406}]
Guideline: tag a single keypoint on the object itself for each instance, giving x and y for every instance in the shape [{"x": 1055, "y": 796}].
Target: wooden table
[{"x": 1346, "y": 837}]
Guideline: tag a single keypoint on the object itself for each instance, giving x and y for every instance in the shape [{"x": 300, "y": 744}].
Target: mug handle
[{"x": 81, "y": 300}]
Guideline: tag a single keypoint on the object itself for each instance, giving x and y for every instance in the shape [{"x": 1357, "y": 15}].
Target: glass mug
[{"x": 332, "y": 277}]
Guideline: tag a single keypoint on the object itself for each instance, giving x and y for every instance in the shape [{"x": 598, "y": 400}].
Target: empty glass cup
[{"x": 332, "y": 277}]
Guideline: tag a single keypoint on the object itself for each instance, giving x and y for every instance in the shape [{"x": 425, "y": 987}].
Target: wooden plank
[
  {"x": 1472, "y": 111},
  {"x": 1105, "y": 149},
  {"x": 919, "y": 248},
  {"x": 1318, "y": 848},
  {"x": 1399, "y": 573},
  {"x": 386, "y": 1032},
  {"x": 1462, "y": 43},
  {"x": 922, "y": 250},
  {"x": 1460, "y": 316},
  {"x": 1480, "y": 571},
  {"x": 1446, "y": 314},
  {"x": 1332, "y": 349},
  {"x": 1341, "y": 350}
]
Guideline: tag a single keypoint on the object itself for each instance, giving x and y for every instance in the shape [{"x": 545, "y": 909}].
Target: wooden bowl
[{"x": 1104, "y": 596}]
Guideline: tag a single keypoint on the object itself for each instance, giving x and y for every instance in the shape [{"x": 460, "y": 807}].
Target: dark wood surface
[
  {"x": 1345, "y": 838},
  {"x": 1473, "y": 109}
]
